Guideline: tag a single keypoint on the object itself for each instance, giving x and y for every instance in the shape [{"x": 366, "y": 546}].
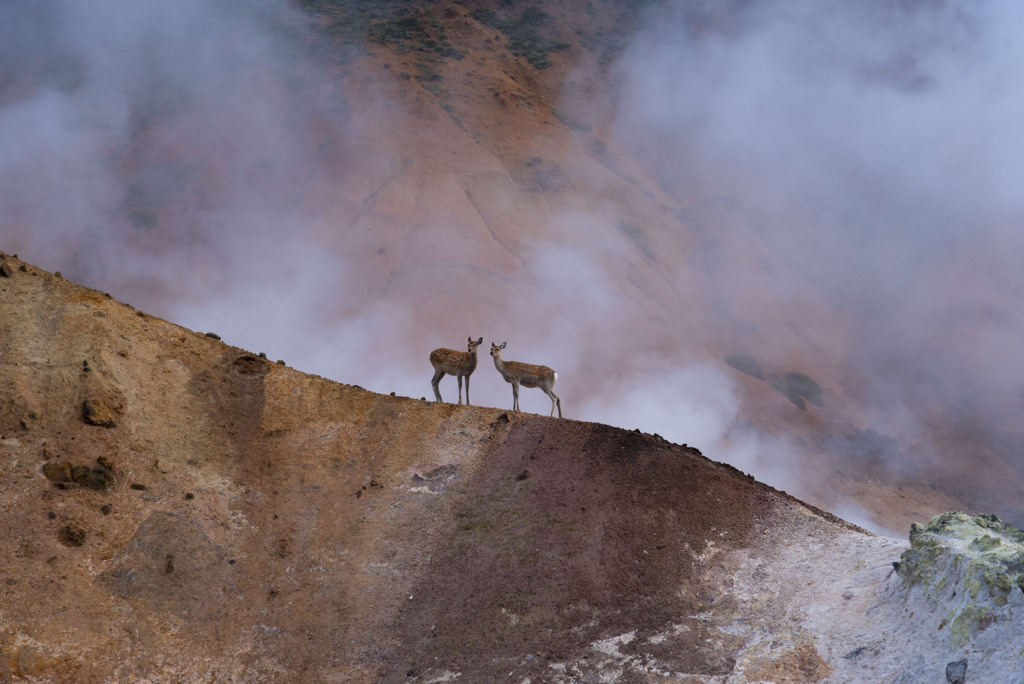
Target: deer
[
  {"x": 459, "y": 364},
  {"x": 527, "y": 375}
]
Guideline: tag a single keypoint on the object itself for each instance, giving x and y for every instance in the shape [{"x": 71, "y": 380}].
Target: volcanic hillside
[{"x": 178, "y": 509}]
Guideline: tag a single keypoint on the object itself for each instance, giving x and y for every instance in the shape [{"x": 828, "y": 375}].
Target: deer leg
[
  {"x": 515, "y": 396},
  {"x": 458, "y": 378},
  {"x": 438, "y": 374},
  {"x": 555, "y": 401},
  {"x": 467, "y": 390}
]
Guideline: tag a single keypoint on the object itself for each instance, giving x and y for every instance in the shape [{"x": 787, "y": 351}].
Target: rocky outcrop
[{"x": 963, "y": 580}]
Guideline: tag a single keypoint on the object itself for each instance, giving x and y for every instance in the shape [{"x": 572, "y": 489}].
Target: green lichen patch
[{"x": 969, "y": 621}]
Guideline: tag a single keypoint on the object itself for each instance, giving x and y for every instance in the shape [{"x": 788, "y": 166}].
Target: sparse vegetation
[
  {"x": 408, "y": 27},
  {"x": 524, "y": 38}
]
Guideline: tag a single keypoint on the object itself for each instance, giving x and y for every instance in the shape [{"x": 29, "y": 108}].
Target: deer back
[
  {"x": 452, "y": 361},
  {"x": 530, "y": 375}
]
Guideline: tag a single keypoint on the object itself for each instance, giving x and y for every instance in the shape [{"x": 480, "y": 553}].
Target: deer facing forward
[
  {"x": 459, "y": 364},
  {"x": 527, "y": 375}
]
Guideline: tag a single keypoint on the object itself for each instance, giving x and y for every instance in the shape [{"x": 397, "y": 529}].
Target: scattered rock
[
  {"x": 71, "y": 534},
  {"x": 136, "y": 485},
  {"x": 437, "y": 479},
  {"x": 97, "y": 478},
  {"x": 96, "y": 412},
  {"x": 190, "y": 496},
  {"x": 956, "y": 672},
  {"x": 213, "y": 335},
  {"x": 5, "y": 270},
  {"x": 284, "y": 547},
  {"x": 523, "y": 475},
  {"x": 106, "y": 508}
]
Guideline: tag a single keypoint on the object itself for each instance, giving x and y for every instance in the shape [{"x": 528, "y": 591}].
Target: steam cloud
[
  {"x": 879, "y": 138},
  {"x": 881, "y": 141}
]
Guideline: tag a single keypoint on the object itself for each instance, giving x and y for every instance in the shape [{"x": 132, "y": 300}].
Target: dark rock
[
  {"x": 5, "y": 270},
  {"x": 71, "y": 534},
  {"x": 956, "y": 672},
  {"x": 106, "y": 508},
  {"x": 136, "y": 485},
  {"x": 250, "y": 365},
  {"x": 97, "y": 478},
  {"x": 523, "y": 475},
  {"x": 96, "y": 412},
  {"x": 213, "y": 335},
  {"x": 190, "y": 496},
  {"x": 444, "y": 471},
  {"x": 797, "y": 387},
  {"x": 284, "y": 547},
  {"x": 745, "y": 363}
]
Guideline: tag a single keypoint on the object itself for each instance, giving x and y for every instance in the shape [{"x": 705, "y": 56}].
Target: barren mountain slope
[{"x": 179, "y": 509}]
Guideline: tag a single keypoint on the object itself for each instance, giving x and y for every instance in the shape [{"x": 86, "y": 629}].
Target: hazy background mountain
[{"x": 785, "y": 233}]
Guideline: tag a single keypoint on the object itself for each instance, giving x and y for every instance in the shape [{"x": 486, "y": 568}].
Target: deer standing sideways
[
  {"x": 527, "y": 375},
  {"x": 459, "y": 364}
]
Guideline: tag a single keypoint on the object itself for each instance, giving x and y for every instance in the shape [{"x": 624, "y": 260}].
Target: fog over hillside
[
  {"x": 214, "y": 165},
  {"x": 881, "y": 136},
  {"x": 873, "y": 142}
]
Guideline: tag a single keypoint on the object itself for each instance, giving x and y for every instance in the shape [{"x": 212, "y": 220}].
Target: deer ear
[
  {"x": 502, "y": 345},
  {"x": 480, "y": 341}
]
